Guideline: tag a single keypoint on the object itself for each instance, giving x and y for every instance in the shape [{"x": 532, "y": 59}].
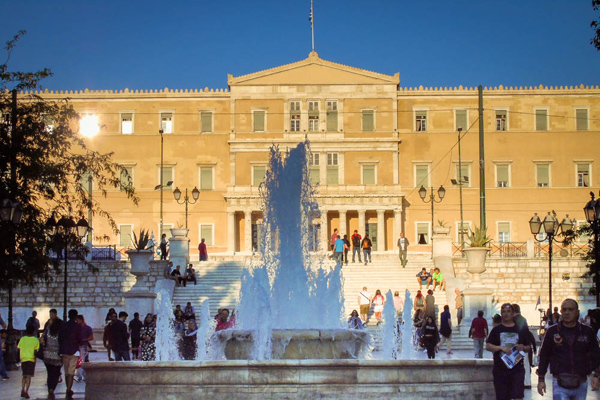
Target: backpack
[{"x": 356, "y": 240}]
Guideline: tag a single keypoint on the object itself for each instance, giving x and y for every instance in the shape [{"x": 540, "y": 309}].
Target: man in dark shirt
[
  {"x": 570, "y": 348},
  {"x": 69, "y": 339},
  {"x": 135, "y": 328},
  {"x": 478, "y": 331},
  {"x": 508, "y": 382},
  {"x": 87, "y": 335},
  {"x": 119, "y": 336},
  {"x": 424, "y": 278},
  {"x": 177, "y": 274}
]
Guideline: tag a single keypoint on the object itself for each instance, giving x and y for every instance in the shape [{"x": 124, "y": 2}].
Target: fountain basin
[
  {"x": 291, "y": 379},
  {"x": 297, "y": 344}
]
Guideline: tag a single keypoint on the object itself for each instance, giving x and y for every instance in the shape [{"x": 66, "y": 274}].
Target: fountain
[{"x": 291, "y": 340}]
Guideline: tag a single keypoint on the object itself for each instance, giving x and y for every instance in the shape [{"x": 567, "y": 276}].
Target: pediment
[{"x": 314, "y": 71}]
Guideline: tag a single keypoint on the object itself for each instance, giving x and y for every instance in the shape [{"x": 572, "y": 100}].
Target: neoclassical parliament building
[{"x": 373, "y": 142}]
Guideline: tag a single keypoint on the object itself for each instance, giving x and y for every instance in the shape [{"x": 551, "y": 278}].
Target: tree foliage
[
  {"x": 43, "y": 164},
  {"x": 596, "y": 26},
  {"x": 591, "y": 256}
]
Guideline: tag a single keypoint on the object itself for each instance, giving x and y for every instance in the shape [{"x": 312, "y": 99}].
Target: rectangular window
[
  {"x": 583, "y": 175},
  {"x": 501, "y": 120},
  {"x": 368, "y": 120},
  {"x": 126, "y": 123},
  {"x": 332, "y": 169},
  {"x": 581, "y": 114},
  {"x": 332, "y": 116},
  {"x": 206, "y": 233},
  {"x": 314, "y": 168},
  {"x": 461, "y": 120},
  {"x": 125, "y": 236},
  {"x": 206, "y": 121},
  {"x": 313, "y": 116},
  {"x": 258, "y": 121},
  {"x": 206, "y": 178},
  {"x": 504, "y": 232},
  {"x": 463, "y": 176},
  {"x": 168, "y": 173},
  {"x": 541, "y": 120},
  {"x": 421, "y": 176},
  {"x": 126, "y": 178},
  {"x": 369, "y": 174},
  {"x": 422, "y": 233},
  {"x": 502, "y": 175},
  {"x": 421, "y": 121},
  {"x": 294, "y": 116},
  {"x": 542, "y": 173},
  {"x": 259, "y": 172},
  {"x": 166, "y": 122}
]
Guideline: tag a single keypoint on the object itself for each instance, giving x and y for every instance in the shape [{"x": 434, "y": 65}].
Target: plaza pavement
[{"x": 11, "y": 389}]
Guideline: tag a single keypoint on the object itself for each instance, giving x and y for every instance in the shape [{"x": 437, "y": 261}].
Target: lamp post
[
  {"x": 551, "y": 227},
  {"x": 65, "y": 231},
  {"x": 592, "y": 215},
  {"x": 423, "y": 194},
  {"x": 186, "y": 200}
]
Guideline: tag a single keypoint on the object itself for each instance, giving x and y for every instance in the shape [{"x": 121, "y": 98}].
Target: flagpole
[{"x": 312, "y": 24}]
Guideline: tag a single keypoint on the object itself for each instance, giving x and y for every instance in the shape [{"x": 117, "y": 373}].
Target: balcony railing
[
  {"x": 519, "y": 249},
  {"x": 500, "y": 249},
  {"x": 560, "y": 250}
]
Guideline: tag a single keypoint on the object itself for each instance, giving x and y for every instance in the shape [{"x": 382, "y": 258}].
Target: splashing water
[
  {"x": 390, "y": 329},
  {"x": 408, "y": 350},
  {"x": 166, "y": 346},
  {"x": 205, "y": 330}
]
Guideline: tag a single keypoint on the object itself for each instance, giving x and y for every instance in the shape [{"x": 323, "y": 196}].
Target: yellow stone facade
[{"x": 374, "y": 144}]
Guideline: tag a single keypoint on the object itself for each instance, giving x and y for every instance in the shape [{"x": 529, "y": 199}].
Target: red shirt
[{"x": 478, "y": 328}]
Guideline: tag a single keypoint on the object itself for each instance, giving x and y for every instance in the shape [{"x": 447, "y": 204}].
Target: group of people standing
[
  {"x": 341, "y": 246},
  {"x": 118, "y": 334}
]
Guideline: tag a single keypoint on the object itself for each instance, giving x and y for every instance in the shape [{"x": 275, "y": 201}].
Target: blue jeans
[
  {"x": 560, "y": 393},
  {"x": 3, "y": 372},
  {"x": 355, "y": 251},
  {"x": 367, "y": 254},
  {"x": 122, "y": 355},
  {"x": 478, "y": 347}
]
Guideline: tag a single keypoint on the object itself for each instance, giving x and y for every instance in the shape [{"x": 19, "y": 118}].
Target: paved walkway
[{"x": 11, "y": 389}]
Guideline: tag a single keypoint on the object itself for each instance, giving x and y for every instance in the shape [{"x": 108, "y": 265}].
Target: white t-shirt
[{"x": 364, "y": 298}]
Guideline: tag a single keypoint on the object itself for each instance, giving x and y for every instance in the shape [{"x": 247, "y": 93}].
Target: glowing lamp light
[{"x": 88, "y": 126}]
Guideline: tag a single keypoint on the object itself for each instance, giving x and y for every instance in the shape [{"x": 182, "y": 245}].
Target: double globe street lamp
[
  {"x": 186, "y": 200},
  {"x": 552, "y": 228},
  {"x": 592, "y": 215},
  {"x": 423, "y": 194}
]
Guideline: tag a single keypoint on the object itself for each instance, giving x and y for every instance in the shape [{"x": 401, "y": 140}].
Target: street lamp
[
  {"x": 592, "y": 215},
  {"x": 65, "y": 232},
  {"x": 423, "y": 194},
  {"x": 551, "y": 227},
  {"x": 186, "y": 200}
]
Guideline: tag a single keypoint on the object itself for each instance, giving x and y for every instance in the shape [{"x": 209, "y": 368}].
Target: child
[{"x": 28, "y": 345}]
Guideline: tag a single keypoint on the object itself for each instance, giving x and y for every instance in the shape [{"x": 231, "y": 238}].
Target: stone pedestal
[
  {"x": 477, "y": 298},
  {"x": 139, "y": 301},
  {"x": 139, "y": 298},
  {"x": 179, "y": 248},
  {"x": 442, "y": 242}
]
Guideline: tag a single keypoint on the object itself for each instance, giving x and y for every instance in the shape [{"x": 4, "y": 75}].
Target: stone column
[
  {"x": 397, "y": 225},
  {"x": 231, "y": 233},
  {"x": 343, "y": 224},
  {"x": 381, "y": 241},
  {"x": 324, "y": 232},
  {"x": 361, "y": 222},
  {"x": 248, "y": 230}
]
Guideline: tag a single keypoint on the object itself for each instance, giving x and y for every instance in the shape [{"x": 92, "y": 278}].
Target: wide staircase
[{"x": 219, "y": 282}]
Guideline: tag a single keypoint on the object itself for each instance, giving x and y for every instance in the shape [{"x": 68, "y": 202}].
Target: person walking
[
  {"x": 572, "y": 352},
  {"x": 508, "y": 382},
  {"x": 3, "y": 336},
  {"x": 69, "y": 339},
  {"x": 334, "y": 237},
  {"x": 52, "y": 360},
  {"x": 366, "y": 246},
  {"x": 356, "y": 240},
  {"x": 120, "y": 336},
  {"x": 87, "y": 335},
  {"x": 27, "y": 346},
  {"x": 378, "y": 301},
  {"x": 478, "y": 332},
  {"x": 521, "y": 323},
  {"x": 430, "y": 337},
  {"x": 148, "y": 335},
  {"x": 202, "y": 251},
  {"x": 364, "y": 304},
  {"x": 458, "y": 303},
  {"x": 430, "y": 305},
  {"x": 338, "y": 252},
  {"x": 135, "y": 329},
  {"x": 34, "y": 323},
  {"x": 403, "y": 244},
  {"x": 346, "y": 248},
  {"x": 446, "y": 330}
]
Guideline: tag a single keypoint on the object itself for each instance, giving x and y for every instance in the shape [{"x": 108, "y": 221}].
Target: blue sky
[{"x": 110, "y": 44}]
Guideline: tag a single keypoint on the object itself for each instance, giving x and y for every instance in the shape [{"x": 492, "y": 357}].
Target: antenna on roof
[{"x": 311, "y": 19}]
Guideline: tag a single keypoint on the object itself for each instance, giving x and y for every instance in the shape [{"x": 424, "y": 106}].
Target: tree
[
  {"x": 42, "y": 162},
  {"x": 596, "y": 26}
]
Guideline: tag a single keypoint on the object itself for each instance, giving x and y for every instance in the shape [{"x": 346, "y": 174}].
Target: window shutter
[
  {"x": 368, "y": 174},
  {"x": 167, "y": 175},
  {"x": 332, "y": 176},
  {"x": 461, "y": 120},
  {"x": 259, "y": 121},
  {"x": 582, "y": 119},
  {"x": 260, "y": 173},
  {"x": 421, "y": 172},
  {"x": 332, "y": 121},
  {"x": 315, "y": 175},
  {"x": 543, "y": 174},
  {"x": 368, "y": 120},
  {"x": 423, "y": 228},
  {"x": 541, "y": 120},
  {"x": 125, "y": 236},
  {"x": 206, "y": 178},
  {"x": 502, "y": 173},
  {"x": 206, "y": 233}
]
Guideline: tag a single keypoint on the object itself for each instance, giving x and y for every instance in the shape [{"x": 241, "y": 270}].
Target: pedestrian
[
  {"x": 446, "y": 329},
  {"x": 521, "y": 323},
  {"x": 496, "y": 320},
  {"x": 189, "y": 340},
  {"x": 366, "y": 246},
  {"x": 458, "y": 303},
  {"x": 148, "y": 335},
  {"x": 181, "y": 280},
  {"x": 356, "y": 240},
  {"x": 34, "y": 323},
  {"x": 438, "y": 279},
  {"x": 87, "y": 335},
  {"x": 364, "y": 304},
  {"x": 503, "y": 339},
  {"x": 190, "y": 274},
  {"x": 378, "y": 301},
  {"x": 430, "y": 337},
  {"x": 69, "y": 339},
  {"x": 334, "y": 237},
  {"x": 419, "y": 302},
  {"x": 27, "y": 346},
  {"x": 423, "y": 278},
  {"x": 354, "y": 322},
  {"x": 3, "y": 336},
  {"x": 223, "y": 321},
  {"x": 107, "y": 339},
  {"x": 52, "y": 360},
  {"x": 478, "y": 332},
  {"x": 338, "y": 252},
  {"x": 556, "y": 316},
  {"x": 430, "y": 305},
  {"x": 346, "y": 248},
  {"x": 135, "y": 329},
  {"x": 189, "y": 312},
  {"x": 120, "y": 336},
  {"x": 398, "y": 303},
  {"x": 163, "y": 247},
  {"x": 403, "y": 244},
  {"x": 202, "y": 251},
  {"x": 571, "y": 349}
]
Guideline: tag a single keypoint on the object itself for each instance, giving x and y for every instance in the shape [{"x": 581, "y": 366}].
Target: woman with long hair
[
  {"x": 148, "y": 336},
  {"x": 419, "y": 302},
  {"x": 354, "y": 321},
  {"x": 52, "y": 359},
  {"x": 379, "y": 302},
  {"x": 431, "y": 337}
]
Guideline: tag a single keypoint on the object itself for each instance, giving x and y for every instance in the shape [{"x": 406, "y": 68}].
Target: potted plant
[
  {"x": 441, "y": 228},
  {"x": 180, "y": 231},
  {"x": 140, "y": 255},
  {"x": 477, "y": 251}
]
